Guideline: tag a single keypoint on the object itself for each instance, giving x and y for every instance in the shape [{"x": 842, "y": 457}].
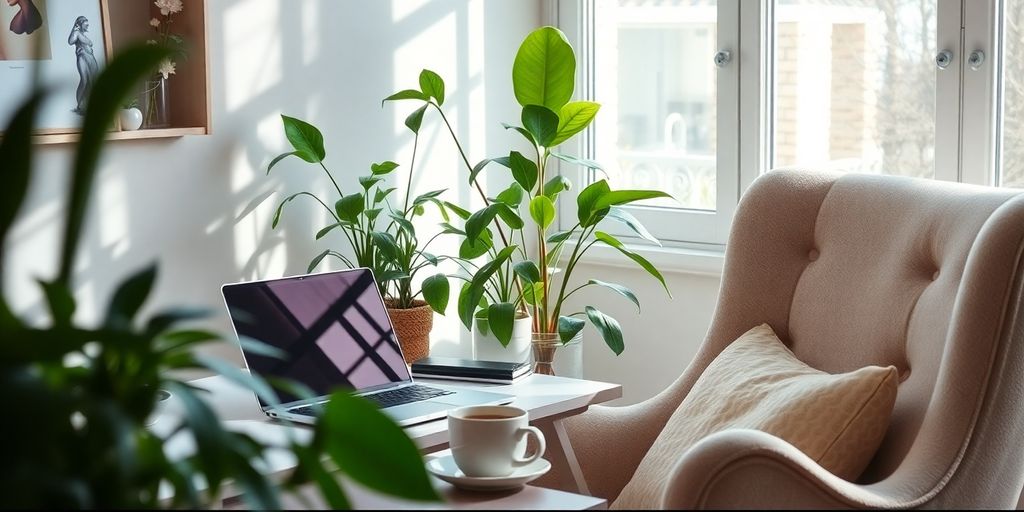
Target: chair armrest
[{"x": 751, "y": 469}]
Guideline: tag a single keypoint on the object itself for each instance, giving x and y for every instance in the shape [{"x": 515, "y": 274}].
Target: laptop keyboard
[
  {"x": 406, "y": 395},
  {"x": 390, "y": 398}
]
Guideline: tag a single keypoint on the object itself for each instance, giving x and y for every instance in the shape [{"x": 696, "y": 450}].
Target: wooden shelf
[
  {"x": 65, "y": 138},
  {"x": 126, "y": 22}
]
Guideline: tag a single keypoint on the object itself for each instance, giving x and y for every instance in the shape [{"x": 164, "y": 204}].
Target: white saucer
[{"x": 445, "y": 469}]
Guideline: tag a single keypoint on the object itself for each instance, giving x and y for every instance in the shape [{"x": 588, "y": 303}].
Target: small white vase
[
  {"x": 131, "y": 118},
  {"x": 486, "y": 346}
]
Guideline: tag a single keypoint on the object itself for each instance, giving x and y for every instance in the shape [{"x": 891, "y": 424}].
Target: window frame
[{"x": 968, "y": 123}]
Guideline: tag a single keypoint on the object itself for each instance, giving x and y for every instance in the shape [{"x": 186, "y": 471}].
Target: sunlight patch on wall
[
  {"x": 311, "y": 36},
  {"x": 113, "y": 216},
  {"x": 256, "y": 60},
  {"x": 403, "y": 8}
]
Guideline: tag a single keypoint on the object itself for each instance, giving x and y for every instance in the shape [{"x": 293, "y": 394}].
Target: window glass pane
[
  {"x": 855, "y": 85},
  {"x": 655, "y": 79},
  {"x": 1012, "y": 162}
]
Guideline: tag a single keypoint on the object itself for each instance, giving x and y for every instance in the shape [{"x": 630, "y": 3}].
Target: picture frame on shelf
[{"x": 66, "y": 42}]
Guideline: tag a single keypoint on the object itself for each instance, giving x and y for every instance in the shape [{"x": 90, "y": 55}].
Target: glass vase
[
  {"x": 155, "y": 104},
  {"x": 552, "y": 357}
]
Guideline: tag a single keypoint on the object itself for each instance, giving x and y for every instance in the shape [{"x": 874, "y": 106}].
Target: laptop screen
[{"x": 333, "y": 327}]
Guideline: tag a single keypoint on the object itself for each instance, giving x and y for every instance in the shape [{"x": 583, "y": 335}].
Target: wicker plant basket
[{"x": 412, "y": 327}]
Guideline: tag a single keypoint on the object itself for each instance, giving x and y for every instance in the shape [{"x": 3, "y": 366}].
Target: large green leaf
[
  {"x": 544, "y": 70},
  {"x": 316, "y": 261},
  {"x": 569, "y": 327},
  {"x": 385, "y": 243},
  {"x": 574, "y": 117},
  {"x": 129, "y": 298},
  {"x": 621, "y": 215},
  {"x": 556, "y": 185},
  {"x": 208, "y": 434},
  {"x": 403, "y": 224},
  {"x": 542, "y": 210},
  {"x": 513, "y": 195},
  {"x": 461, "y": 212},
  {"x": 479, "y": 220},
  {"x": 582, "y": 162},
  {"x": 349, "y": 207},
  {"x": 621, "y": 290},
  {"x": 478, "y": 284},
  {"x": 587, "y": 200},
  {"x": 436, "y": 291},
  {"x": 415, "y": 120},
  {"x": 527, "y": 270},
  {"x": 521, "y": 131},
  {"x": 305, "y": 138},
  {"x": 524, "y": 170},
  {"x": 609, "y": 329},
  {"x": 432, "y": 85},
  {"x": 114, "y": 84},
  {"x": 640, "y": 260},
  {"x": 620, "y": 197},
  {"x": 280, "y": 157},
  {"x": 60, "y": 301},
  {"x": 368, "y": 447},
  {"x": 477, "y": 168},
  {"x": 407, "y": 94},
  {"x": 541, "y": 122},
  {"x": 501, "y": 317},
  {"x": 16, "y": 154},
  {"x": 472, "y": 249},
  {"x": 384, "y": 167}
]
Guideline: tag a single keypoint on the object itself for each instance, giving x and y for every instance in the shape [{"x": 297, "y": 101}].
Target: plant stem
[
  {"x": 568, "y": 271},
  {"x": 336, "y": 187},
  {"x": 545, "y": 325},
  {"x": 479, "y": 189},
  {"x": 412, "y": 165}
]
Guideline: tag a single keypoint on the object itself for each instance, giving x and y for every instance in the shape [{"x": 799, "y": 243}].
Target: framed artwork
[{"x": 64, "y": 40}]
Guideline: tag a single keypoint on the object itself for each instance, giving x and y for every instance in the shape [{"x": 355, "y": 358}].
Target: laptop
[{"x": 334, "y": 331}]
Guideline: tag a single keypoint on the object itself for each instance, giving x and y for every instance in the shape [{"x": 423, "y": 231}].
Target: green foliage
[
  {"x": 516, "y": 279},
  {"x": 85, "y": 392},
  {"x": 544, "y": 71},
  {"x": 392, "y": 251}
]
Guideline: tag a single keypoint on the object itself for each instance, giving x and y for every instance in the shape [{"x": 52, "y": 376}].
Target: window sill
[{"x": 680, "y": 260}]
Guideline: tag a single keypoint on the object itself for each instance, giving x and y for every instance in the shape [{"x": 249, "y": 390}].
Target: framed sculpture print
[{"x": 61, "y": 39}]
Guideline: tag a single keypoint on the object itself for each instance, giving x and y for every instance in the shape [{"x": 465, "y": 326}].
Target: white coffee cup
[{"x": 490, "y": 440}]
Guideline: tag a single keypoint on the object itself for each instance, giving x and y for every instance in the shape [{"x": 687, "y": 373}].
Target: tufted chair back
[{"x": 857, "y": 270}]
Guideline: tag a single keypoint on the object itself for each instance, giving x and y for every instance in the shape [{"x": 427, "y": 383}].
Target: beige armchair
[{"x": 851, "y": 271}]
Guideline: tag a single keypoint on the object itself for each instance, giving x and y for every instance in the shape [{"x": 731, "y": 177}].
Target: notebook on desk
[
  {"x": 453, "y": 368},
  {"x": 331, "y": 332}
]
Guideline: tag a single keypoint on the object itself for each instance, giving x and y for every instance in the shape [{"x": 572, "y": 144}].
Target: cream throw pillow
[{"x": 757, "y": 383}]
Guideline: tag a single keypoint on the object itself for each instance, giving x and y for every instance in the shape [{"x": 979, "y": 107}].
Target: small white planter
[
  {"x": 486, "y": 346},
  {"x": 131, "y": 118}
]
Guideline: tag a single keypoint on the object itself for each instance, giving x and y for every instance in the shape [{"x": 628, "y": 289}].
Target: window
[{"x": 701, "y": 96}]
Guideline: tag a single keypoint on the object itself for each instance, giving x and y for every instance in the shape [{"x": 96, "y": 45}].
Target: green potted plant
[
  {"x": 501, "y": 286},
  {"x": 381, "y": 234},
  {"x": 543, "y": 78},
  {"x": 86, "y": 393}
]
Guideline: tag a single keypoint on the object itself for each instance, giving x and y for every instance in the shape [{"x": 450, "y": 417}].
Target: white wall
[
  {"x": 179, "y": 201},
  {"x": 660, "y": 341}
]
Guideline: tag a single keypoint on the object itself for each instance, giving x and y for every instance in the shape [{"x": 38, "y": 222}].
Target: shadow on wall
[{"x": 202, "y": 206}]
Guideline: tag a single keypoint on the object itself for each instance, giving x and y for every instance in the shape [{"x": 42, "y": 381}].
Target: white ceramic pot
[
  {"x": 486, "y": 346},
  {"x": 131, "y": 118}
]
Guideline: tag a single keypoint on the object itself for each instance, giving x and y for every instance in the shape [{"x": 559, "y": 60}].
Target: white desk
[{"x": 548, "y": 400}]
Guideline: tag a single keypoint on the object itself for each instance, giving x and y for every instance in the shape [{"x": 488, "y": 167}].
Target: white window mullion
[
  {"x": 947, "y": 91},
  {"x": 978, "y": 98}
]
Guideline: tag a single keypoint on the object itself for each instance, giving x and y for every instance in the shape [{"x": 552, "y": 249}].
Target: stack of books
[{"x": 468, "y": 369}]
